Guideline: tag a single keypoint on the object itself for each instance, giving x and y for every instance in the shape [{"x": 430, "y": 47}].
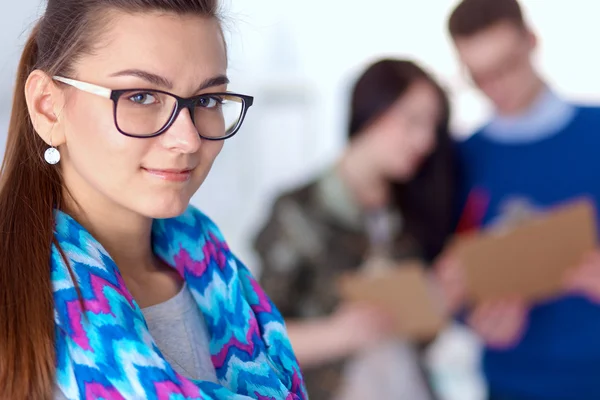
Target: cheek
[
  {"x": 391, "y": 149},
  {"x": 396, "y": 138},
  {"x": 97, "y": 152},
  {"x": 425, "y": 140},
  {"x": 209, "y": 150}
]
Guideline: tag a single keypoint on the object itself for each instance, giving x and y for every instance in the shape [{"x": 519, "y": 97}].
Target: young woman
[
  {"x": 388, "y": 198},
  {"x": 111, "y": 285}
]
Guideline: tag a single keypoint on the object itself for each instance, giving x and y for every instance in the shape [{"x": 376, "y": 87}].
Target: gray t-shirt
[{"x": 179, "y": 330}]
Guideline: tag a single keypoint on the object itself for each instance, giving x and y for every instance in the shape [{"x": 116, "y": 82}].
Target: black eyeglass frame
[{"x": 180, "y": 103}]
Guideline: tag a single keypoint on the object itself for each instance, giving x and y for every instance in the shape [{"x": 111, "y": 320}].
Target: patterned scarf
[{"x": 105, "y": 350}]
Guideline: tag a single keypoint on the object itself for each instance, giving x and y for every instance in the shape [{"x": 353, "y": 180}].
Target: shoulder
[
  {"x": 291, "y": 220},
  {"x": 584, "y": 127},
  {"x": 587, "y": 107},
  {"x": 589, "y": 112},
  {"x": 471, "y": 144},
  {"x": 301, "y": 195},
  {"x": 298, "y": 201}
]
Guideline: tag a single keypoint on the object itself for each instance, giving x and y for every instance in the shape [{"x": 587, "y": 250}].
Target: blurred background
[{"x": 298, "y": 58}]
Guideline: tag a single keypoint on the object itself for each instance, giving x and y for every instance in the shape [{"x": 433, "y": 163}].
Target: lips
[{"x": 171, "y": 175}]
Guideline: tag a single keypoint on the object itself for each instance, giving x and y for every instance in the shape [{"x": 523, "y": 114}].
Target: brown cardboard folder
[
  {"x": 530, "y": 259},
  {"x": 404, "y": 292}
]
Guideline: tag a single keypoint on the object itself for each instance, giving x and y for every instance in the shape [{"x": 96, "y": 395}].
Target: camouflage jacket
[{"x": 315, "y": 234}]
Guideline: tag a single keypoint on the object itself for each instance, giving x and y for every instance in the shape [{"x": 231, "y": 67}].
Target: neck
[
  {"x": 537, "y": 87},
  {"x": 126, "y": 236},
  {"x": 370, "y": 188}
]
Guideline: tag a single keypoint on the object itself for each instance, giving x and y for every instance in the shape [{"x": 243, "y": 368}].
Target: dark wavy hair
[{"x": 426, "y": 201}]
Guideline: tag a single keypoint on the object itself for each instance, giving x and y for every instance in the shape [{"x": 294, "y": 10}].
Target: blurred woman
[{"x": 389, "y": 197}]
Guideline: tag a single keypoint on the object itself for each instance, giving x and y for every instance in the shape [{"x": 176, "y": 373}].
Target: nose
[{"x": 182, "y": 136}]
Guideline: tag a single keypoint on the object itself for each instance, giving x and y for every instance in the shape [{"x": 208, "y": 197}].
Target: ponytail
[{"x": 29, "y": 191}]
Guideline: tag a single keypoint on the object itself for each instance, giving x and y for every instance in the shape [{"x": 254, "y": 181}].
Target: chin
[
  {"x": 165, "y": 209},
  {"x": 402, "y": 175}
]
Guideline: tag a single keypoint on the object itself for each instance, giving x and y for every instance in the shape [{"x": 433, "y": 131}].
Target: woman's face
[
  {"x": 153, "y": 177},
  {"x": 405, "y": 135}
]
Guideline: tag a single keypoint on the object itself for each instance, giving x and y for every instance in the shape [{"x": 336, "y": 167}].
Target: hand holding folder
[
  {"x": 585, "y": 279},
  {"x": 529, "y": 260},
  {"x": 405, "y": 293}
]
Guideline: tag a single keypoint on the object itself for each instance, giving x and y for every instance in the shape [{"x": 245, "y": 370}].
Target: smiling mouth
[{"x": 171, "y": 175}]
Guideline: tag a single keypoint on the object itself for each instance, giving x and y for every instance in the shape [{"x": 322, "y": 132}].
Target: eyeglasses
[{"x": 146, "y": 113}]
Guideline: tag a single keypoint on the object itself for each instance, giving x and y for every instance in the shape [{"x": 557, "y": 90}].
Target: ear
[{"x": 45, "y": 101}]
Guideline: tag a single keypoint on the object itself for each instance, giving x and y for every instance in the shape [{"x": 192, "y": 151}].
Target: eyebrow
[
  {"x": 161, "y": 81},
  {"x": 212, "y": 82},
  {"x": 147, "y": 76}
]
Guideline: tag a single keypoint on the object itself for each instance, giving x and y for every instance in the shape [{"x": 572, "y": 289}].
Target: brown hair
[
  {"x": 473, "y": 16},
  {"x": 427, "y": 201},
  {"x": 31, "y": 189}
]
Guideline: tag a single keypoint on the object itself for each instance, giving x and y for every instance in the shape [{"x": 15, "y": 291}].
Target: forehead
[
  {"x": 176, "y": 46},
  {"x": 420, "y": 96},
  {"x": 489, "y": 47}
]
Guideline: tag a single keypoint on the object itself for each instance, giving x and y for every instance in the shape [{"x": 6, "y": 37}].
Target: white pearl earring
[{"x": 52, "y": 155}]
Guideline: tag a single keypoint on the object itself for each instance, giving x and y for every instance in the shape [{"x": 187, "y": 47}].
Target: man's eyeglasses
[{"x": 145, "y": 113}]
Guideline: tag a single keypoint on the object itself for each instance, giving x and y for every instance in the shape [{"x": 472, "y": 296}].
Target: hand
[
  {"x": 585, "y": 278},
  {"x": 358, "y": 326},
  {"x": 501, "y": 324},
  {"x": 451, "y": 282}
]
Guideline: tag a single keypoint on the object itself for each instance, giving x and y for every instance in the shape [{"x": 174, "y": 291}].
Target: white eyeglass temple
[{"x": 86, "y": 87}]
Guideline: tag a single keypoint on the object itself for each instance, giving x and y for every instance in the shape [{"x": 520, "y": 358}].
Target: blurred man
[{"x": 538, "y": 150}]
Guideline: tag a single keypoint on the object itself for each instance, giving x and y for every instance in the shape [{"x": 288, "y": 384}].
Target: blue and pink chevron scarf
[{"x": 105, "y": 351}]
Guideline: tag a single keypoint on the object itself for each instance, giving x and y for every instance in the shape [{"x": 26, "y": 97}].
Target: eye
[
  {"x": 143, "y": 98},
  {"x": 210, "y": 102}
]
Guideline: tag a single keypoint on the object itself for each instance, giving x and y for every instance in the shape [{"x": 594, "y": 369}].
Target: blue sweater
[{"x": 559, "y": 356}]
